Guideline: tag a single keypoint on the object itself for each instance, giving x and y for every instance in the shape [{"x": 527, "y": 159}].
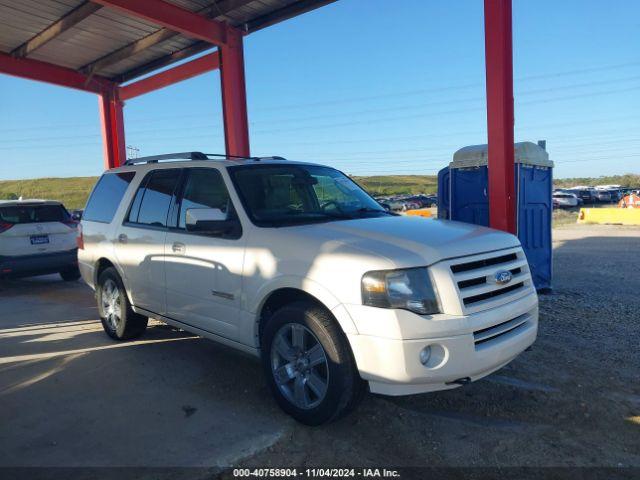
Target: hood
[{"x": 412, "y": 241}]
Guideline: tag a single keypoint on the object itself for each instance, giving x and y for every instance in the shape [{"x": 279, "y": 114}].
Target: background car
[
  {"x": 397, "y": 205},
  {"x": 422, "y": 201},
  {"x": 587, "y": 196},
  {"x": 616, "y": 194},
  {"x": 564, "y": 200},
  {"x": 603, "y": 196},
  {"x": 37, "y": 237}
]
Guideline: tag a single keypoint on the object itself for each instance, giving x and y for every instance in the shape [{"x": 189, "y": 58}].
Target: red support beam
[
  {"x": 172, "y": 17},
  {"x": 500, "y": 119},
  {"x": 112, "y": 122},
  {"x": 234, "y": 96},
  {"x": 177, "y": 74},
  {"x": 49, "y": 73}
]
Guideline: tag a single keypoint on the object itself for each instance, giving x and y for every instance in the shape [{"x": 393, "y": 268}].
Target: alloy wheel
[
  {"x": 299, "y": 366},
  {"x": 111, "y": 304}
]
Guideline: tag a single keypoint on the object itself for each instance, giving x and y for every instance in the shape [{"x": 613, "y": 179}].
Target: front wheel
[
  {"x": 309, "y": 365},
  {"x": 119, "y": 320}
]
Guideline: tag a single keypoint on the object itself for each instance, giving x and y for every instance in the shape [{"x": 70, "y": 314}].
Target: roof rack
[{"x": 192, "y": 156}]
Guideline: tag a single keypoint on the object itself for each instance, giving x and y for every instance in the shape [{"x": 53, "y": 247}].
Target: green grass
[
  {"x": 72, "y": 192},
  {"x": 399, "y": 184},
  {"x": 565, "y": 216}
]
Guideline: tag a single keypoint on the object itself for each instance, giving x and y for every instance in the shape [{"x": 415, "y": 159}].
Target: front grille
[
  {"x": 491, "y": 294},
  {"x": 476, "y": 282},
  {"x": 496, "y": 332},
  {"x": 485, "y": 262}
]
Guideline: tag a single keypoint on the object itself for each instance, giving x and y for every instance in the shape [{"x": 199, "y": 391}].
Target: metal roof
[{"x": 97, "y": 40}]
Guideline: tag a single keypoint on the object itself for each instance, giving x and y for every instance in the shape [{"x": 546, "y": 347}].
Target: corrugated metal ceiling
[{"x": 105, "y": 31}]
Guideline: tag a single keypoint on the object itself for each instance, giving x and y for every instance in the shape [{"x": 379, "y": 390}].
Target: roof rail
[
  {"x": 191, "y": 156},
  {"x": 167, "y": 156}
]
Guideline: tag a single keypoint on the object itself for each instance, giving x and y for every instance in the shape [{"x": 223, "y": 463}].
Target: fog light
[{"x": 425, "y": 355}]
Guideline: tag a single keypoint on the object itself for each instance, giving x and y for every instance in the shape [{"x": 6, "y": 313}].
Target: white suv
[
  {"x": 296, "y": 264},
  {"x": 37, "y": 237}
]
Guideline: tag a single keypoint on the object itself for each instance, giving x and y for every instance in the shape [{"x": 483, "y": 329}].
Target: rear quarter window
[{"x": 106, "y": 196}]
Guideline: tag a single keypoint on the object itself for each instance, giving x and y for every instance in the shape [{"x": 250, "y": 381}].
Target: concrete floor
[{"x": 69, "y": 396}]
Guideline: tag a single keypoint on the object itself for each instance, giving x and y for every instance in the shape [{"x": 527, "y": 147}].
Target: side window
[
  {"x": 204, "y": 188},
  {"x": 106, "y": 196},
  {"x": 151, "y": 204}
]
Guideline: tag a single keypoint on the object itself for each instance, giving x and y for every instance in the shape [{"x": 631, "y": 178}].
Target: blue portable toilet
[{"x": 462, "y": 196}]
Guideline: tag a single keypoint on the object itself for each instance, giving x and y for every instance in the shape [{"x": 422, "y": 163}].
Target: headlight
[{"x": 410, "y": 289}]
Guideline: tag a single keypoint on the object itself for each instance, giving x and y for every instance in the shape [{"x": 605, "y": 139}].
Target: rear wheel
[
  {"x": 309, "y": 365},
  {"x": 70, "y": 274},
  {"x": 119, "y": 320}
]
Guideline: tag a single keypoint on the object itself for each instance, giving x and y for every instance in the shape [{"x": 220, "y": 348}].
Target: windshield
[{"x": 281, "y": 195}]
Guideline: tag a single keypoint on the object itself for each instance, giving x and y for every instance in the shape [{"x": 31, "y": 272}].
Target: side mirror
[{"x": 207, "y": 220}]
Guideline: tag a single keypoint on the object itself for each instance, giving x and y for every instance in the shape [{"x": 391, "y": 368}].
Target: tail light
[
  {"x": 4, "y": 226},
  {"x": 79, "y": 237}
]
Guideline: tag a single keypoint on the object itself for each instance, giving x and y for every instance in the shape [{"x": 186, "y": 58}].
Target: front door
[
  {"x": 203, "y": 271},
  {"x": 141, "y": 239}
]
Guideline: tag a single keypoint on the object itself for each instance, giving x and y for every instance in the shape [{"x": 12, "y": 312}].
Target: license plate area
[{"x": 39, "y": 239}]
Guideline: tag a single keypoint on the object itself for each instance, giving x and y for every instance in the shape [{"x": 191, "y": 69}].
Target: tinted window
[
  {"x": 137, "y": 200},
  {"x": 34, "y": 214},
  {"x": 205, "y": 188},
  {"x": 155, "y": 198},
  {"x": 106, "y": 196}
]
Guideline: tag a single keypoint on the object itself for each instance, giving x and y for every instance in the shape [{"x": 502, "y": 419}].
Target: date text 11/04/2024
[{"x": 316, "y": 473}]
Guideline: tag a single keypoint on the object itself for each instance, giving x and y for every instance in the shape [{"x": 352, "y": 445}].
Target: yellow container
[
  {"x": 616, "y": 216},
  {"x": 421, "y": 212}
]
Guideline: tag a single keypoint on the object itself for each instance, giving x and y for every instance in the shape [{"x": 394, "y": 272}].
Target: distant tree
[{"x": 9, "y": 196}]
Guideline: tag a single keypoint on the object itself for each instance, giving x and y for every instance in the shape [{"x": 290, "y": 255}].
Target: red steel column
[
  {"x": 234, "y": 96},
  {"x": 499, "y": 68},
  {"x": 112, "y": 120}
]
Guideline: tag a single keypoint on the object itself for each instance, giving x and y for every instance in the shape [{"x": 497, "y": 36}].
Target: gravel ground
[{"x": 574, "y": 400}]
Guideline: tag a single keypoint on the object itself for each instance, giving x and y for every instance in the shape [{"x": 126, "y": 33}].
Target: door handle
[
  {"x": 178, "y": 247},
  {"x": 122, "y": 238}
]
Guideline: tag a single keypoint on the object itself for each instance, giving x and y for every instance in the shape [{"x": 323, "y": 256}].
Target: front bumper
[
  {"x": 392, "y": 366},
  {"x": 41, "y": 264}
]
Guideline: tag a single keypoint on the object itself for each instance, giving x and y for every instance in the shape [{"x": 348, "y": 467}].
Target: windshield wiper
[{"x": 372, "y": 210}]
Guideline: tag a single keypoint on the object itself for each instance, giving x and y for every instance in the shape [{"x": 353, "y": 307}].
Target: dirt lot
[{"x": 68, "y": 396}]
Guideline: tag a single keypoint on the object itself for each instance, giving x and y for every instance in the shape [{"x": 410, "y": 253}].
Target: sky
[{"x": 372, "y": 87}]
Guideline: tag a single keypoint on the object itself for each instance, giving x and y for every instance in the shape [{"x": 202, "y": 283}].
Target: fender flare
[
  {"x": 310, "y": 287},
  {"x": 121, "y": 274}
]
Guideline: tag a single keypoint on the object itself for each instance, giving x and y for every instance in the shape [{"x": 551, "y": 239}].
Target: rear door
[
  {"x": 141, "y": 238},
  {"x": 204, "y": 271},
  {"x": 31, "y": 229}
]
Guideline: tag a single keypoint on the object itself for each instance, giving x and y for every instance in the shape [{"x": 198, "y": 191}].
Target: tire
[
  {"x": 71, "y": 274},
  {"x": 119, "y": 321},
  {"x": 313, "y": 389}
]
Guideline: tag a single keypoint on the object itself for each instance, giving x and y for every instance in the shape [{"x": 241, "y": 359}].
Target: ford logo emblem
[{"x": 502, "y": 277}]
